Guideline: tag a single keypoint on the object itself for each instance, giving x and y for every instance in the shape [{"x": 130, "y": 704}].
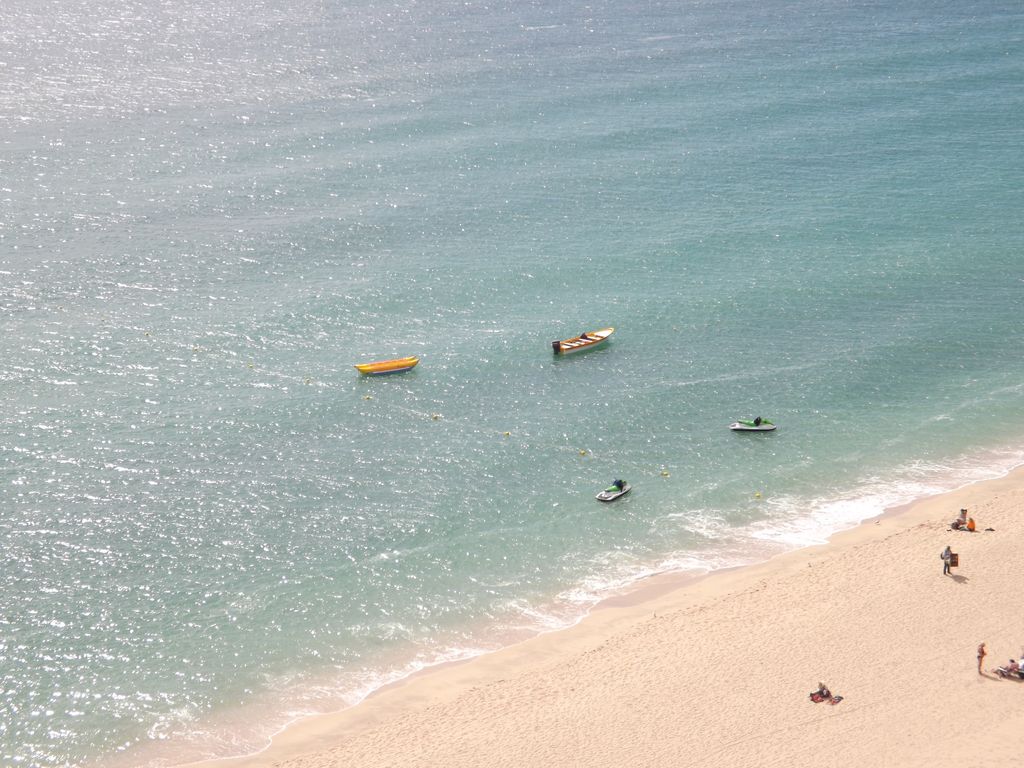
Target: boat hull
[
  {"x": 383, "y": 367},
  {"x": 581, "y": 343}
]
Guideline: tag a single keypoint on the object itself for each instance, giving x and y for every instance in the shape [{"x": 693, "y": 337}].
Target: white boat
[{"x": 752, "y": 425}]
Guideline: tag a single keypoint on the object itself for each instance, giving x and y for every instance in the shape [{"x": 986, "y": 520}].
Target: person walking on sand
[
  {"x": 947, "y": 558},
  {"x": 981, "y": 656}
]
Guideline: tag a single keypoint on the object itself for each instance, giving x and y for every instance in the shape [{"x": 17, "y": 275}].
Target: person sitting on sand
[
  {"x": 970, "y": 524},
  {"x": 960, "y": 522},
  {"x": 822, "y": 694}
]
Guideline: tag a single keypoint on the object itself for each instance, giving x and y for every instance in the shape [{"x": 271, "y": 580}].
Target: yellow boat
[
  {"x": 587, "y": 340},
  {"x": 388, "y": 366}
]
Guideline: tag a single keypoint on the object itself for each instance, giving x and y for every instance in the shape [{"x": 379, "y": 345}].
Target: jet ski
[
  {"x": 752, "y": 425},
  {"x": 614, "y": 491}
]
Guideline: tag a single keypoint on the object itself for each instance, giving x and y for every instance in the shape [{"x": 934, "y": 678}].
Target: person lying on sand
[{"x": 1012, "y": 669}]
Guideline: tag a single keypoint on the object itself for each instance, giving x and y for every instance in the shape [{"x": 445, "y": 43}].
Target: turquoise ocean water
[{"x": 211, "y": 524}]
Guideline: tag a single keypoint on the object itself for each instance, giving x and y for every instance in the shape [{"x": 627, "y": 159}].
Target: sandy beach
[{"x": 717, "y": 671}]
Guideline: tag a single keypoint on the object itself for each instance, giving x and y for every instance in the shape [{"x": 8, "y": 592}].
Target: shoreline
[{"x": 435, "y": 696}]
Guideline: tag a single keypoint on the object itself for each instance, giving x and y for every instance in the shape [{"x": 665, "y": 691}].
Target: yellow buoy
[
  {"x": 664, "y": 473},
  {"x": 507, "y": 434},
  {"x": 757, "y": 494},
  {"x": 582, "y": 452}
]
